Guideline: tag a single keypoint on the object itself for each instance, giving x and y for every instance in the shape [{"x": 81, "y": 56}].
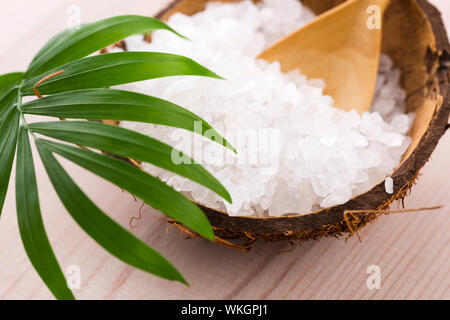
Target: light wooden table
[{"x": 412, "y": 250}]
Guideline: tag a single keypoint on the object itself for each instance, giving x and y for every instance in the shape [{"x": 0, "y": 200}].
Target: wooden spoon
[{"x": 342, "y": 47}]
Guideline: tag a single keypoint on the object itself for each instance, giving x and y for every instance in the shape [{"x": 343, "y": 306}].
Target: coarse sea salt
[
  {"x": 296, "y": 152},
  {"x": 389, "y": 185}
]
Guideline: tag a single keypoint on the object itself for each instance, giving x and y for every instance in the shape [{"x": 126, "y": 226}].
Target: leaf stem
[
  {"x": 19, "y": 109},
  {"x": 35, "y": 90}
]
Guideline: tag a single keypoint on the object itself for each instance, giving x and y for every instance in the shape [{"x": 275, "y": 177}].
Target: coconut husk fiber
[{"x": 415, "y": 39}]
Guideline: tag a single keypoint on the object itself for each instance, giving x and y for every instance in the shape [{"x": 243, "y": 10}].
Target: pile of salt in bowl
[{"x": 296, "y": 151}]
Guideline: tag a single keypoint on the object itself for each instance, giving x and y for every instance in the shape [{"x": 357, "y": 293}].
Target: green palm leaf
[
  {"x": 9, "y": 126},
  {"x": 72, "y": 45},
  {"x": 150, "y": 189},
  {"x": 107, "y": 233},
  {"x": 53, "y": 43},
  {"x": 76, "y": 85},
  {"x": 130, "y": 144},
  {"x": 8, "y": 103},
  {"x": 107, "y": 104},
  {"x": 9, "y": 81},
  {"x": 114, "y": 69},
  {"x": 31, "y": 226}
]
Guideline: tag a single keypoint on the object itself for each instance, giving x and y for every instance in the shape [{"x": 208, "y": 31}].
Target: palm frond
[{"x": 76, "y": 87}]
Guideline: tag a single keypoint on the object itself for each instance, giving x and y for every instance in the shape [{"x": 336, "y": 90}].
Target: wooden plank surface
[{"x": 412, "y": 250}]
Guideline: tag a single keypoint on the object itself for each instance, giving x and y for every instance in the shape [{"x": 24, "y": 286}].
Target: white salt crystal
[
  {"x": 401, "y": 123},
  {"x": 320, "y": 156},
  {"x": 385, "y": 64},
  {"x": 384, "y": 106},
  {"x": 389, "y": 185},
  {"x": 338, "y": 197}
]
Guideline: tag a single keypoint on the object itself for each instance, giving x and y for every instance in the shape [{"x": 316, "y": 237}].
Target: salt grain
[
  {"x": 324, "y": 155},
  {"x": 389, "y": 185}
]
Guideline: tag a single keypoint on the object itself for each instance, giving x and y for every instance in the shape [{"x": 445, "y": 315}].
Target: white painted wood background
[{"x": 412, "y": 250}]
